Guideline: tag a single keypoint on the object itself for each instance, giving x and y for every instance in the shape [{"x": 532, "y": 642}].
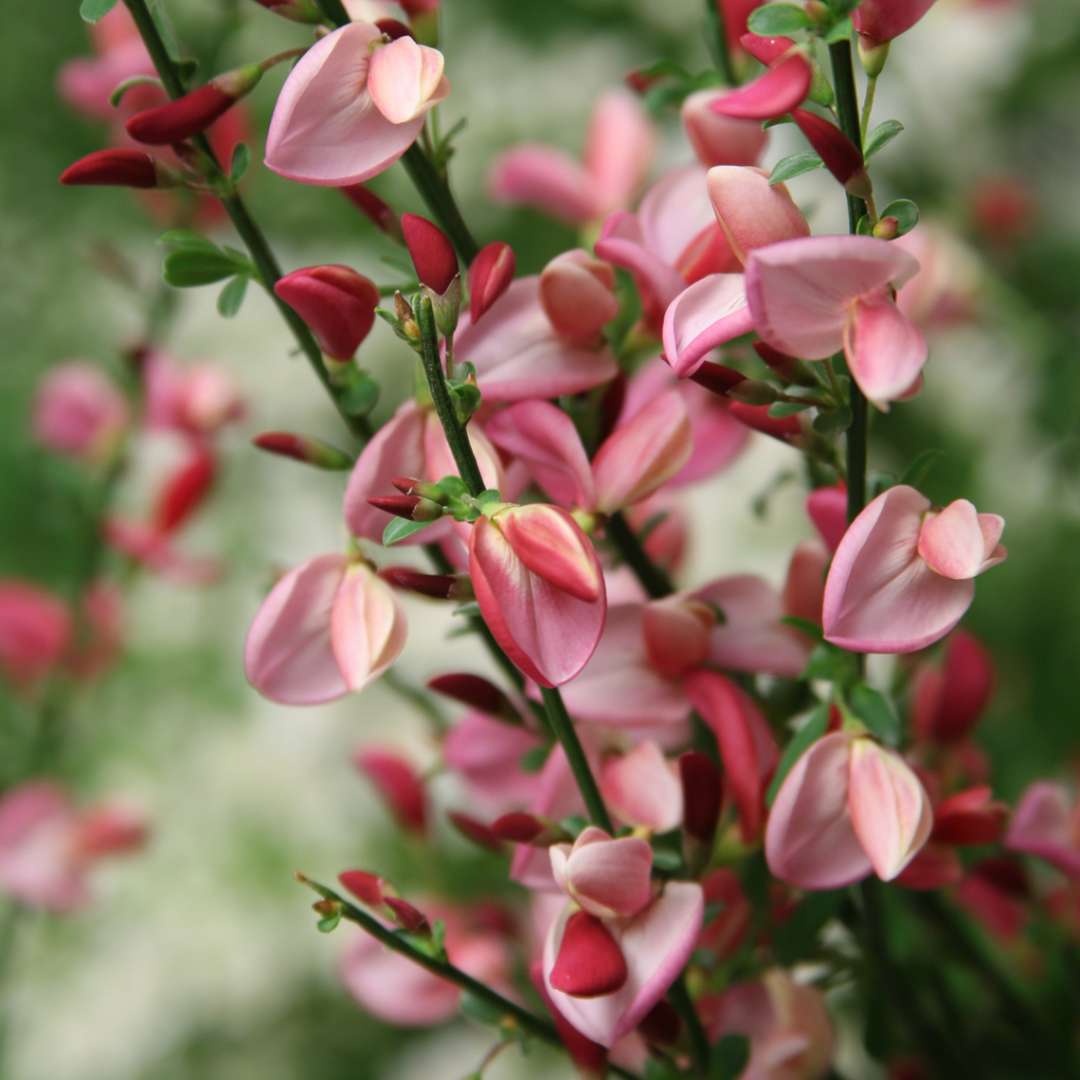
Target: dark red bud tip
[
  {"x": 661, "y": 1026},
  {"x": 113, "y": 168},
  {"x": 590, "y": 962},
  {"x": 639, "y": 82},
  {"x": 717, "y": 378},
  {"x": 702, "y": 790},
  {"x": 489, "y": 276},
  {"x": 408, "y": 917},
  {"x": 784, "y": 365},
  {"x": 367, "y": 888},
  {"x": 410, "y": 507},
  {"x": 431, "y": 252},
  {"x": 437, "y": 586},
  {"x": 784, "y": 428},
  {"x": 474, "y": 691},
  {"x": 765, "y": 49},
  {"x": 185, "y": 491},
  {"x": 394, "y": 28},
  {"x": 474, "y": 830},
  {"x": 518, "y": 827},
  {"x": 178, "y": 120},
  {"x": 380, "y": 213},
  {"x": 302, "y": 448},
  {"x": 841, "y": 156}
]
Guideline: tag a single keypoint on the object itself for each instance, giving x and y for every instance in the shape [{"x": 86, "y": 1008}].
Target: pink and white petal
[
  {"x": 288, "y": 657},
  {"x": 551, "y": 545},
  {"x": 705, "y": 315},
  {"x": 751, "y": 211},
  {"x": 674, "y": 212},
  {"x": 619, "y": 148},
  {"x": 827, "y": 509},
  {"x": 403, "y": 77},
  {"x": 547, "y": 180},
  {"x": 367, "y": 626},
  {"x": 622, "y": 243},
  {"x": 772, "y": 93},
  {"x": 486, "y": 753},
  {"x": 641, "y": 788},
  {"x": 952, "y": 542},
  {"x": 676, "y": 632},
  {"x": 885, "y": 350},
  {"x": 439, "y": 459},
  {"x": 518, "y": 355},
  {"x": 1044, "y": 824},
  {"x": 608, "y": 878}
]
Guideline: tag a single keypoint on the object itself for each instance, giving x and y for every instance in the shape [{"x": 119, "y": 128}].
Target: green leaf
[
  {"x": 186, "y": 268},
  {"x": 186, "y": 240},
  {"x": 329, "y": 923},
  {"x": 796, "y": 937},
  {"x": 809, "y": 733},
  {"x": 881, "y": 136},
  {"x": 136, "y": 80},
  {"x": 840, "y": 31},
  {"x": 532, "y": 761},
  {"x": 920, "y": 467},
  {"x": 480, "y": 1009},
  {"x": 864, "y": 228},
  {"x": 810, "y": 629},
  {"x": 401, "y": 528},
  {"x": 241, "y": 159},
  {"x": 833, "y": 420},
  {"x": 729, "y": 1057},
  {"x": 876, "y": 712},
  {"x": 773, "y": 19},
  {"x": 92, "y": 10},
  {"x": 359, "y": 395},
  {"x": 906, "y": 214},
  {"x": 795, "y": 165},
  {"x": 780, "y": 409},
  {"x": 232, "y": 296}
]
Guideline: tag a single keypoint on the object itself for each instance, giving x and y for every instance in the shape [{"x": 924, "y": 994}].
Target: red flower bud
[
  {"x": 702, "y": 789},
  {"x": 639, "y": 82},
  {"x": 474, "y": 830},
  {"x": 590, "y": 962},
  {"x": 431, "y": 252},
  {"x": 717, "y": 378},
  {"x": 784, "y": 428},
  {"x": 367, "y": 888},
  {"x": 118, "y": 168},
  {"x": 841, "y": 156},
  {"x": 178, "y": 120},
  {"x": 303, "y": 448},
  {"x": 336, "y": 302},
  {"x": 661, "y": 1026},
  {"x": 408, "y": 917},
  {"x": 394, "y": 28},
  {"x": 380, "y": 213},
  {"x": 410, "y": 507},
  {"x": 474, "y": 691},
  {"x": 398, "y": 783},
  {"x": 437, "y": 586},
  {"x": 589, "y": 1057},
  {"x": 302, "y": 11},
  {"x": 489, "y": 276},
  {"x": 519, "y": 827},
  {"x": 185, "y": 491},
  {"x": 969, "y": 817}
]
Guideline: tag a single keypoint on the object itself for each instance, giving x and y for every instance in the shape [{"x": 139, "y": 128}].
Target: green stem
[
  {"x": 868, "y": 105},
  {"x": 563, "y": 729},
  {"x": 258, "y": 248},
  {"x": 679, "y": 997},
  {"x": 512, "y": 1012},
  {"x": 653, "y": 578},
  {"x": 718, "y": 42}
]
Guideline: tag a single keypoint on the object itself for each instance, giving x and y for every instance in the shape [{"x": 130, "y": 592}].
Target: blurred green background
[{"x": 201, "y": 959}]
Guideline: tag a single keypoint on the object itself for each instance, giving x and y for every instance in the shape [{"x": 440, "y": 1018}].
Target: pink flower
[
  {"x": 847, "y": 807},
  {"x": 717, "y": 139},
  {"x": 783, "y": 85},
  {"x": 753, "y": 212},
  {"x": 879, "y": 21},
  {"x": 540, "y": 589},
  {"x": 618, "y": 149},
  {"x": 79, "y": 411},
  {"x": 902, "y": 576},
  {"x": 1046, "y": 823},
  {"x": 399, "y": 784},
  {"x": 577, "y": 293},
  {"x": 47, "y": 846},
  {"x": 486, "y": 754},
  {"x": 490, "y": 274},
  {"x": 709, "y": 313},
  {"x": 948, "y": 699},
  {"x": 827, "y": 509},
  {"x": 605, "y": 877},
  {"x": 352, "y": 106},
  {"x": 642, "y": 789},
  {"x": 196, "y": 399},
  {"x": 327, "y": 628},
  {"x": 518, "y": 353},
  {"x": 336, "y": 302},
  {"x": 35, "y": 632}
]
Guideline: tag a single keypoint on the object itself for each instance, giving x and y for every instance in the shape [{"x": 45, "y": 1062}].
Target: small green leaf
[
  {"x": 780, "y": 409},
  {"x": 666, "y": 860},
  {"x": 773, "y": 19},
  {"x": 804, "y": 626},
  {"x": 187, "y": 268},
  {"x": 452, "y": 487},
  {"x": 329, "y": 923},
  {"x": 532, "y": 761},
  {"x": 92, "y": 10},
  {"x": 136, "y": 80},
  {"x": 400, "y": 529},
  {"x": 232, "y": 296},
  {"x": 186, "y": 240},
  {"x": 729, "y": 1057},
  {"x": 881, "y": 136},
  {"x": 876, "y": 712},
  {"x": 864, "y": 228},
  {"x": 840, "y": 31},
  {"x": 241, "y": 159},
  {"x": 795, "y": 165},
  {"x": 808, "y": 734},
  {"x": 920, "y": 467},
  {"x": 480, "y": 1009},
  {"x": 906, "y": 214},
  {"x": 796, "y": 937},
  {"x": 832, "y": 421},
  {"x": 359, "y": 395}
]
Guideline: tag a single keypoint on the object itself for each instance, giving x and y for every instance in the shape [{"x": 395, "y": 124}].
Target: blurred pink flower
[
  {"x": 79, "y": 411},
  {"x": 35, "y": 632}
]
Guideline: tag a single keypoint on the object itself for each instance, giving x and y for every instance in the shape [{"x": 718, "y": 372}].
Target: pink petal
[
  {"x": 577, "y": 293},
  {"x": 608, "y": 878},
  {"x": 889, "y": 808},
  {"x": 947, "y": 702},
  {"x": 656, "y": 945},
  {"x": 879, "y": 595},
  {"x": 717, "y": 139},
  {"x": 439, "y": 461},
  {"x": 325, "y": 128},
  {"x": 546, "y": 179},
  {"x": 827, "y": 509},
  {"x": 804, "y": 585},
  {"x": 405, "y": 79},
  {"x": 773, "y": 93},
  {"x": 751, "y": 211},
  {"x": 486, "y": 753},
  {"x": 1044, "y": 825},
  {"x": 518, "y": 354},
  {"x": 640, "y": 787},
  {"x": 676, "y": 631},
  {"x": 619, "y": 147},
  {"x": 544, "y": 437},
  {"x": 800, "y": 290},
  {"x": 882, "y": 20},
  {"x": 674, "y": 213},
  {"x": 643, "y": 453},
  {"x": 809, "y": 838},
  {"x": 589, "y": 962},
  {"x": 288, "y": 657},
  {"x": 885, "y": 351},
  {"x": 399, "y": 784},
  {"x": 367, "y": 626},
  {"x": 36, "y": 630},
  {"x": 622, "y": 243},
  {"x": 709, "y": 313},
  {"x": 551, "y": 545},
  {"x": 79, "y": 411},
  {"x": 958, "y": 542}
]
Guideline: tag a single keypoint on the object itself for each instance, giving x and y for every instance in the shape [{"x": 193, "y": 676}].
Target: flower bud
[
  {"x": 888, "y": 228},
  {"x": 410, "y": 507},
  {"x": 78, "y": 411},
  {"x": 589, "y": 962},
  {"x": 969, "y": 817},
  {"x": 717, "y": 378},
  {"x": 399, "y": 784},
  {"x": 841, "y": 156},
  {"x": 476, "y": 831},
  {"x": 367, "y": 888},
  {"x": 302, "y": 11},
  {"x": 185, "y": 491},
  {"x": 119, "y": 168},
  {"x": 437, "y": 586},
  {"x": 394, "y": 29},
  {"x": 489, "y": 276},
  {"x": 304, "y": 448},
  {"x": 520, "y": 827},
  {"x": 476, "y": 692},
  {"x": 410, "y": 485},
  {"x": 577, "y": 293},
  {"x": 380, "y": 213},
  {"x": 717, "y": 139},
  {"x": 336, "y": 302},
  {"x": 407, "y": 916},
  {"x": 431, "y": 252},
  {"x": 752, "y": 392},
  {"x": 178, "y": 120},
  {"x": 702, "y": 788}
]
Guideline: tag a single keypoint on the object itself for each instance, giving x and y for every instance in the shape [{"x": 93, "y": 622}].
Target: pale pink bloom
[
  {"x": 748, "y": 748},
  {"x": 677, "y": 632},
  {"x": 882, "y": 20},
  {"x": 86, "y": 83},
  {"x": 618, "y": 149},
  {"x": 791, "y": 1036},
  {"x": 945, "y": 289},
  {"x": 47, "y": 846},
  {"x": 813, "y": 296},
  {"x": 847, "y": 807},
  {"x": 35, "y": 632},
  {"x": 641, "y": 788},
  {"x": 720, "y": 140},
  {"x": 411, "y": 443},
  {"x": 902, "y": 576},
  {"x": 1046, "y": 823},
  {"x": 486, "y": 753},
  {"x": 655, "y": 944},
  {"x": 671, "y": 241},
  {"x": 827, "y": 509},
  {"x": 577, "y": 293},
  {"x": 607, "y": 878},
  {"x": 79, "y": 411},
  {"x": 778, "y": 90},
  {"x": 345, "y": 113},
  {"x": 948, "y": 699},
  {"x": 103, "y": 623},
  {"x": 804, "y": 586},
  {"x": 708, "y": 314},
  {"x": 398, "y": 782},
  {"x": 145, "y": 543},
  {"x": 540, "y": 589},
  {"x": 519, "y": 354},
  {"x": 752, "y": 211},
  {"x": 194, "y": 398},
  {"x": 327, "y": 628}
]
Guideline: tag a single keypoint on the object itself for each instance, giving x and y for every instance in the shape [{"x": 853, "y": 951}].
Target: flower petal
[
  {"x": 772, "y": 93},
  {"x": 885, "y": 351},
  {"x": 709, "y": 313}
]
